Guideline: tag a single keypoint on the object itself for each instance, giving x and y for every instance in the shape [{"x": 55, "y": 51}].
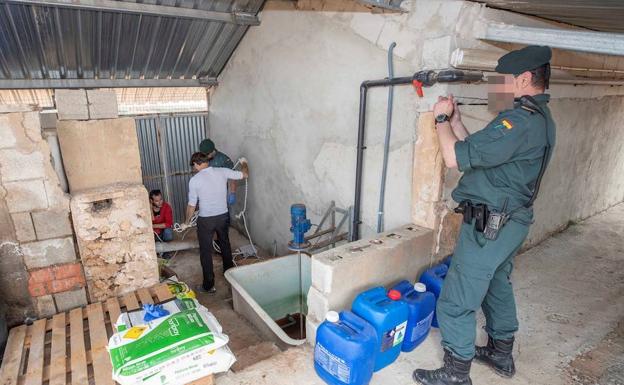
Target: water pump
[{"x": 299, "y": 225}]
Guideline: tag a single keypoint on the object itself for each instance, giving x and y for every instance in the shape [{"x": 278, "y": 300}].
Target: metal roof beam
[
  {"x": 104, "y": 83},
  {"x": 240, "y": 18},
  {"x": 594, "y": 42}
]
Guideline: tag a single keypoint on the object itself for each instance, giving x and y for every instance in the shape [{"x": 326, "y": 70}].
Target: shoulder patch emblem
[{"x": 507, "y": 124}]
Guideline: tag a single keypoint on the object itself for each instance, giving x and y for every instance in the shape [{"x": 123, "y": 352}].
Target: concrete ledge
[
  {"x": 339, "y": 274},
  {"x": 165, "y": 247}
]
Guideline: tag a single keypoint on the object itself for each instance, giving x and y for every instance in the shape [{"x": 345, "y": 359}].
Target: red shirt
[{"x": 164, "y": 216}]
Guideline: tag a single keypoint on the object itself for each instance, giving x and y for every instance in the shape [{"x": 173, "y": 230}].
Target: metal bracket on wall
[{"x": 327, "y": 226}]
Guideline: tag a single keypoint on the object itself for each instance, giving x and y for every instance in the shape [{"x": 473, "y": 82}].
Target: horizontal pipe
[
  {"x": 479, "y": 59},
  {"x": 574, "y": 40},
  {"x": 387, "y": 82}
]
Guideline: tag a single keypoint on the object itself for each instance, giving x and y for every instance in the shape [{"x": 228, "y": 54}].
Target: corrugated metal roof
[
  {"x": 119, "y": 43},
  {"x": 598, "y": 15}
]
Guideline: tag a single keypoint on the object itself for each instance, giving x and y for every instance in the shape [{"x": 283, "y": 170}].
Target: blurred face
[
  {"x": 212, "y": 155},
  {"x": 501, "y": 91},
  {"x": 157, "y": 201}
]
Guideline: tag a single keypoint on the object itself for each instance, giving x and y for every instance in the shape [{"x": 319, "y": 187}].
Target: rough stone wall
[
  {"x": 114, "y": 233},
  {"x": 37, "y": 255}
]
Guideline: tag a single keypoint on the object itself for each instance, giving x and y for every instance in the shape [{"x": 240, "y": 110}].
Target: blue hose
[{"x": 384, "y": 172}]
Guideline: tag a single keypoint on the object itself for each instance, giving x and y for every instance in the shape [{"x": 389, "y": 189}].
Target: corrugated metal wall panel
[{"x": 166, "y": 143}]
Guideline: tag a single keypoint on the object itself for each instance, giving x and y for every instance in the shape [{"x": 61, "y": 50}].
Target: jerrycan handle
[
  {"x": 353, "y": 322},
  {"x": 440, "y": 269}
]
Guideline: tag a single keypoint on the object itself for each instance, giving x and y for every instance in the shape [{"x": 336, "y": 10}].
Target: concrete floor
[
  {"x": 246, "y": 343},
  {"x": 570, "y": 296}
]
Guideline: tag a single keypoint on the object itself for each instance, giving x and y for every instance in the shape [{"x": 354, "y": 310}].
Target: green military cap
[
  {"x": 206, "y": 146},
  {"x": 525, "y": 59}
]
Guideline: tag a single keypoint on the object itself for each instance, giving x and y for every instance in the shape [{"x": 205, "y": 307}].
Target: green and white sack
[
  {"x": 133, "y": 318},
  {"x": 174, "y": 346}
]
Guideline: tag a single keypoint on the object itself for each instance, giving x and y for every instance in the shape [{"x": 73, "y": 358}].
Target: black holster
[{"x": 478, "y": 212}]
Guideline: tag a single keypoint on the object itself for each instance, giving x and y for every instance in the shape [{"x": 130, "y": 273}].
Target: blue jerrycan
[
  {"x": 421, "y": 305},
  {"x": 345, "y": 348},
  {"x": 388, "y": 316},
  {"x": 433, "y": 278}
]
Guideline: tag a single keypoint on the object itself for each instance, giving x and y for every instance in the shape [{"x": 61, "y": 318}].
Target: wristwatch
[{"x": 442, "y": 118}]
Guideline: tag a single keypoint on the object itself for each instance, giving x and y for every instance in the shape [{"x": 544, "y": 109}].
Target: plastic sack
[{"x": 186, "y": 344}]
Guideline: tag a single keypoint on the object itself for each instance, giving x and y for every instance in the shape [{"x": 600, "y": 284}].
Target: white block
[
  {"x": 47, "y": 253},
  {"x": 341, "y": 273},
  {"x": 102, "y": 104},
  {"x": 18, "y": 165},
  {"x": 71, "y": 104},
  {"x": 318, "y": 305},
  {"x": 26, "y": 196}
]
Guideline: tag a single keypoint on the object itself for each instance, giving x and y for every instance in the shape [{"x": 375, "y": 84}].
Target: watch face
[{"x": 441, "y": 118}]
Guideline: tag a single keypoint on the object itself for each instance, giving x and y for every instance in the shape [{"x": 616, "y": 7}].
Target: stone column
[{"x": 114, "y": 233}]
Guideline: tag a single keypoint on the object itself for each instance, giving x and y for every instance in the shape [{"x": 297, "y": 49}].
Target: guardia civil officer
[{"x": 503, "y": 165}]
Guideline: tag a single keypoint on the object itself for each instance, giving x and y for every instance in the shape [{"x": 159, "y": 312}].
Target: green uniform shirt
[
  {"x": 503, "y": 160},
  {"x": 221, "y": 160}
]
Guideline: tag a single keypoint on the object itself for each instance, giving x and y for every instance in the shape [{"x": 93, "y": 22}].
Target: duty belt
[{"x": 470, "y": 211}]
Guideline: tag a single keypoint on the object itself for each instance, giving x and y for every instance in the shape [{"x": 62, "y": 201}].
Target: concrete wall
[
  {"x": 585, "y": 175},
  {"x": 288, "y": 101}
]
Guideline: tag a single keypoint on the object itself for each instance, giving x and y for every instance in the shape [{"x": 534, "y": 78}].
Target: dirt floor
[
  {"x": 245, "y": 341},
  {"x": 570, "y": 296}
]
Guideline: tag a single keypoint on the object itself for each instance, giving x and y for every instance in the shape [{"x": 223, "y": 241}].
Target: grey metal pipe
[{"x": 384, "y": 171}]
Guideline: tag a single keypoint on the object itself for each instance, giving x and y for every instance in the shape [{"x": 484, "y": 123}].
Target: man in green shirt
[{"x": 503, "y": 165}]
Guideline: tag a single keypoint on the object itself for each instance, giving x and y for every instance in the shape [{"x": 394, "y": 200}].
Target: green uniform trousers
[{"x": 479, "y": 277}]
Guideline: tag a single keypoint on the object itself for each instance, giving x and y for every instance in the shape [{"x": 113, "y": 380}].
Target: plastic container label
[
  {"x": 332, "y": 364},
  {"x": 393, "y": 337},
  {"x": 421, "y": 328}
]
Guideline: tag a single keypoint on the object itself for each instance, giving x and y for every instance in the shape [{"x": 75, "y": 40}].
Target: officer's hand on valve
[{"x": 444, "y": 106}]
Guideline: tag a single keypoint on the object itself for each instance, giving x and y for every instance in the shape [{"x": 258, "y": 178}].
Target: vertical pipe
[
  {"x": 300, "y": 298},
  {"x": 355, "y": 235},
  {"x": 384, "y": 171}
]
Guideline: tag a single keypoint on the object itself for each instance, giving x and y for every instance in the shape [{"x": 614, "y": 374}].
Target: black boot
[
  {"x": 454, "y": 372},
  {"x": 498, "y": 355}
]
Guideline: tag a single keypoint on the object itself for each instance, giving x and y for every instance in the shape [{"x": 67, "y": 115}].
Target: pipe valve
[{"x": 428, "y": 78}]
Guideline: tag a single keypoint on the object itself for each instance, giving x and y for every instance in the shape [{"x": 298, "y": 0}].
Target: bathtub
[{"x": 268, "y": 291}]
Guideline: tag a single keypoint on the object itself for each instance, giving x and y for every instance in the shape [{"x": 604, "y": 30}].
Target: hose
[
  {"x": 384, "y": 172},
  {"x": 183, "y": 228}
]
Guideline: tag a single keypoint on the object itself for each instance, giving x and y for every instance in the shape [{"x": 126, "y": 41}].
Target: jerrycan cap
[
  {"x": 332, "y": 317},
  {"x": 394, "y": 295},
  {"x": 420, "y": 287}
]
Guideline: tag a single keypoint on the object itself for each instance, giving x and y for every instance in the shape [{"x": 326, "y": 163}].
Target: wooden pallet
[{"x": 70, "y": 347}]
